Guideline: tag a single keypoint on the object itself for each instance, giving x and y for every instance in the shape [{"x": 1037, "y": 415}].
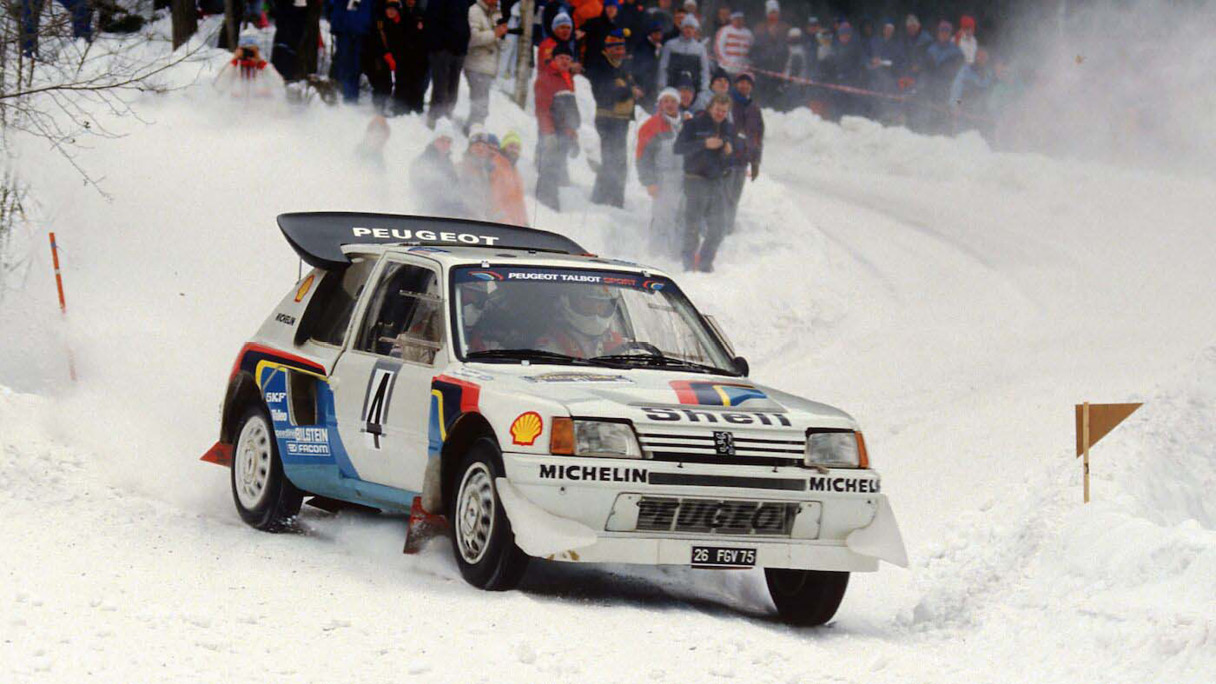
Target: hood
[{"x": 656, "y": 396}]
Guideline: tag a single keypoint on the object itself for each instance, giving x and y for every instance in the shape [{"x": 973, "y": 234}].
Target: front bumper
[{"x": 586, "y": 510}]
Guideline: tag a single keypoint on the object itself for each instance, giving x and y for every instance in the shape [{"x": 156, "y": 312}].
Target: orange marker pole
[{"x": 63, "y": 306}]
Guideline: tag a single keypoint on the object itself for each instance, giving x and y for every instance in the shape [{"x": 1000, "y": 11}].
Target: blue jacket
[
  {"x": 699, "y": 160},
  {"x": 892, "y": 50},
  {"x": 344, "y": 19},
  {"x": 940, "y": 53},
  {"x": 970, "y": 83}
]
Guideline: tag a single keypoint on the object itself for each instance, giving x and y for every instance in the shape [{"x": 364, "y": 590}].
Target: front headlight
[
  {"x": 836, "y": 449},
  {"x": 601, "y": 438}
]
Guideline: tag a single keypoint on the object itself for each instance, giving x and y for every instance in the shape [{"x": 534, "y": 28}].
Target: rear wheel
[
  {"x": 482, "y": 539},
  {"x": 260, "y": 490},
  {"x": 806, "y": 597}
]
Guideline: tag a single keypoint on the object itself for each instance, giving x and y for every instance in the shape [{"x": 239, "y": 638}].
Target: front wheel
[
  {"x": 263, "y": 496},
  {"x": 806, "y": 597},
  {"x": 481, "y": 533}
]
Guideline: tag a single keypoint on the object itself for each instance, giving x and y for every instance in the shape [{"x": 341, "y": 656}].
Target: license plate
[{"x": 722, "y": 557}]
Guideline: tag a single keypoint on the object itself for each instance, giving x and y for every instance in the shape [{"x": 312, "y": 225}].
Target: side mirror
[{"x": 741, "y": 366}]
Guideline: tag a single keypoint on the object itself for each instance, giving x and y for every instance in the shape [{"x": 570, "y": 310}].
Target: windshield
[{"x": 580, "y": 315}]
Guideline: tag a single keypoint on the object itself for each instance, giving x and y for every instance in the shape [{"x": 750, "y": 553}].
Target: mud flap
[
  {"x": 423, "y": 526},
  {"x": 881, "y": 538},
  {"x": 538, "y": 532},
  {"x": 219, "y": 454}
]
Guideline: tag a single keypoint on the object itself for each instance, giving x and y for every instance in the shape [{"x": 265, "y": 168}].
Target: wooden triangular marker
[{"x": 1102, "y": 419}]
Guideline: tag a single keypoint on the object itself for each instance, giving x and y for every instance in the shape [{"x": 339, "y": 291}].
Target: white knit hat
[
  {"x": 668, "y": 92},
  {"x": 772, "y": 6}
]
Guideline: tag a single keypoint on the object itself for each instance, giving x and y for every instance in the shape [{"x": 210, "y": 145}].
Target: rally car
[{"x": 550, "y": 403}]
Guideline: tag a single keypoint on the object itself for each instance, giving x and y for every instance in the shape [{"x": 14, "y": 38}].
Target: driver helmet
[{"x": 589, "y": 310}]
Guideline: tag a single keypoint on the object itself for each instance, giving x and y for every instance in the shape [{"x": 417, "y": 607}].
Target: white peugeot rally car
[{"x": 551, "y": 403}]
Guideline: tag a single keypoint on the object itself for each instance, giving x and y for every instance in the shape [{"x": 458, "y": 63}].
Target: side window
[
  {"x": 330, "y": 309},
  {"x": 405, "y": 317}
]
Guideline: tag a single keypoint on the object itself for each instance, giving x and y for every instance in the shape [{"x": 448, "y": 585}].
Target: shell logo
[{"x": 526, "y": 428}]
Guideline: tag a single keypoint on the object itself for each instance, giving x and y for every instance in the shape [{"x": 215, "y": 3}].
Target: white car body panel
[{"x": 589, "y": 513}]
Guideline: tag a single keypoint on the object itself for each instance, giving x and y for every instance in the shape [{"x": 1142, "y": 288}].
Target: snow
[{"x": 957, "y": 300}]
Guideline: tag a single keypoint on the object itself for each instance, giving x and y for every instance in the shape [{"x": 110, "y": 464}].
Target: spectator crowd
[{"x": 697, "y": 79}]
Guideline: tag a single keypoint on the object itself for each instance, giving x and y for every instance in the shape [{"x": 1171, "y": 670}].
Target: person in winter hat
[
  {"x": 561, "y": 33},
  {"x": 705, "y": 143},
  {"x": 916, "y": 43},
  {"x": 615, "y": 96},
  {"x": 512, "y": 147},
  {"x": 797, "y": 66},
  {"x": 557, "y": 124},
  {"x": 644, "y": 65},
  {"x": 349, "y": 23},
  {"x": 395, "y": 61},
  {"x": 447, "y": 43},
  {"x": 847, "y": 68},
  {"x": 965, "y": 38},
  {"x": 969, "y": 92},
  {"x": 661, "y": 14},
  {"x": 719, "y": 84},
  {"x": 770, "y": 51},
  {"x": 685, "y": 54},
  {"x": 733, "y": 45},
  {"x": 632, "y": 20},
  {"x": 688, "y": 95},
  {"x": 596, "y": 30},
  {"x": 887, "y": 58},
  {"x": 481, "y": 64},
  {"x": 661, "y": 171},
  {"x": 433, "y": 176},
  {"x": 747, "y": 147},
  {"x": 492, "y": 186},
  {"x": 942, "y": 62}
]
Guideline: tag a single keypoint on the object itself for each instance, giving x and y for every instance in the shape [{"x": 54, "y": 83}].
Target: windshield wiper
[
  {"x": 659, "y": 360},
  {"x": 525, "y": 355}
]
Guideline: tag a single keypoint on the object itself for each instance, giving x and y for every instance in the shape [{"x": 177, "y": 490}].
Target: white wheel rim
[
  {"x": 475, "y": 513},
  {"x": 252, "y": 463}
]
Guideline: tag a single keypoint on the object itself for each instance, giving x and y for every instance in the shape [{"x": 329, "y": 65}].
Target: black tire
[
  {"x": 482, "y": 540},
  {"x": 272, "y": 506},
  {"x": 807, "y": 598}
]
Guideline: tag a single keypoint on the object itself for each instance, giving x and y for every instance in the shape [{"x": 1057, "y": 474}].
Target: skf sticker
[
  {"x": 305, "y": 287},
  {"x": 526, "y": 428}
]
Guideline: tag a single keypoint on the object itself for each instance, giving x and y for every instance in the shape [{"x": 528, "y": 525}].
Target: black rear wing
[{"x": 318, "y": 237}]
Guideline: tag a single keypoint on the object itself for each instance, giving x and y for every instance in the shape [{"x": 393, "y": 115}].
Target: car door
[{"x": 384, "y": 377}]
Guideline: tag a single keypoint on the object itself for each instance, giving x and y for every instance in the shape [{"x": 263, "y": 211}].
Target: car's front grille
[
  {"x": 715, "y": 516},
  {"x": 724, "y": 447}
]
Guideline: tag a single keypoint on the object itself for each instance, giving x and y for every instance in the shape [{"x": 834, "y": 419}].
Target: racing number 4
[{"x": 375, "y": 404}]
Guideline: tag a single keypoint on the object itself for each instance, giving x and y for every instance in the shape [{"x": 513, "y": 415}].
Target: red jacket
[
  {"x": 655, "y": 125},
  {"x": 548, "y": 84}
]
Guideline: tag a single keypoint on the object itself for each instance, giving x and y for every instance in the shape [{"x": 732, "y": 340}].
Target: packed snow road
[{"x": 956, "y": 308}]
